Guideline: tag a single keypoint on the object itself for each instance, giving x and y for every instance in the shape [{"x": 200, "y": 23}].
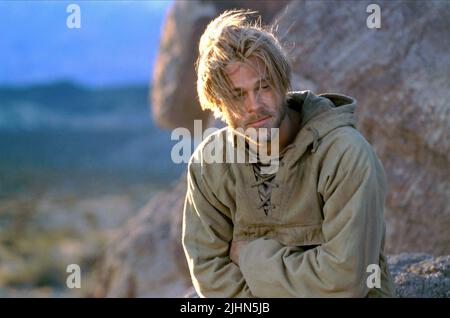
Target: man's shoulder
[
  {"x": 215, "y": 140},
  {"x": 348, "y": 142},
  {"x": 346, "y": 152},
  {"x": 347, "y": 137},
  {"x": 209, "y": 156}
]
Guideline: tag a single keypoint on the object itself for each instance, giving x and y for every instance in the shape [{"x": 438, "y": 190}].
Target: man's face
[{"x": 259, "y": 105}]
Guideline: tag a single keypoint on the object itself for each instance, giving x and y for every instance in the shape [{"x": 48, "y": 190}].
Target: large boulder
[{"x": 400, "y": 74}]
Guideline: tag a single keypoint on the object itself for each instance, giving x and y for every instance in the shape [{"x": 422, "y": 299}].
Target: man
[{"x": 310, "y": 228}]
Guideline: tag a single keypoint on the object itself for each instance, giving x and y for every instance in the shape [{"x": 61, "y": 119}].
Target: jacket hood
[{"x": 320, "y": 114}]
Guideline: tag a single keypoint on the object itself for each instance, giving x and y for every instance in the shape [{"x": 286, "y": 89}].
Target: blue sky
[{"x": 116, "y": 44}]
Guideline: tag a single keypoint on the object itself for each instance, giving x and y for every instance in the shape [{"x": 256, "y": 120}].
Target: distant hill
[
  {"x": 69, "y": 106},
  {"x": 71, "y": 131}
]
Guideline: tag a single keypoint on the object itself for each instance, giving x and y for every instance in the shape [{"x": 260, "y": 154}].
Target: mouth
[{"x": 259, "y": 122}]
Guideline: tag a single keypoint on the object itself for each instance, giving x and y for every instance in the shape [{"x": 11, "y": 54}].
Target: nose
[{"x": 253, "y": 102}]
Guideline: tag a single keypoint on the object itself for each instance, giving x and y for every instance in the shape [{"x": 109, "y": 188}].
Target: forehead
[{"x": 242, "y": 74}]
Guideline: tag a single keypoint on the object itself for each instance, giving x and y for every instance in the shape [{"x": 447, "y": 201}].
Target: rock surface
[
  {"x": 145, "y": 258},
  {"x": 400, "y": 75}
]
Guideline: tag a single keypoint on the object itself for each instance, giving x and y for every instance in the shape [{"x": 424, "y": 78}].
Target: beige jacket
[{"x": 321, "y": 229}]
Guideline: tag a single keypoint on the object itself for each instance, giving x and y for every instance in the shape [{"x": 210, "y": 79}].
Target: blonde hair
[{"x": 232, "y": 38}]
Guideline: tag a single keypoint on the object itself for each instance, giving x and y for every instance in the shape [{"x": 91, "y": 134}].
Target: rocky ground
[
  {"x": 43, "y": 231},
  {"x": 421, "y": 275}
]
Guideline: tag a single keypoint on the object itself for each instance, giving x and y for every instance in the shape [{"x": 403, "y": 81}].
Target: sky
[{"x": 116, "y": 44}]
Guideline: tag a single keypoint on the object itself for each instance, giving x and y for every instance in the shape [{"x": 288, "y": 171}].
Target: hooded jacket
[{"x": 318, "y": 235}]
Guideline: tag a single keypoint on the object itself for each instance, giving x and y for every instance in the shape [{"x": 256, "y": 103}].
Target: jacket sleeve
[
  {"x": 207, "y": 234},
  {"x": 353, "y": 190}
]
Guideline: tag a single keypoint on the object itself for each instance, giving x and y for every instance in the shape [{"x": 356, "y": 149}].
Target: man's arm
[
  {"x": 207, "y": 233},
  {"x": 353, "y": 192}
]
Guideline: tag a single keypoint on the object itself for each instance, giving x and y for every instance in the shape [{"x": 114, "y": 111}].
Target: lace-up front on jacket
[{"x": 265, "y": 183}]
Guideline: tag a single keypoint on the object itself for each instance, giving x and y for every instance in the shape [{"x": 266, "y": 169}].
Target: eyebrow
[{"x": 257, "y": 83}]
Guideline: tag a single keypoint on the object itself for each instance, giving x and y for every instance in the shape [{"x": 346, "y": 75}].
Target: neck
[{"x": 288, "y": 130}]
